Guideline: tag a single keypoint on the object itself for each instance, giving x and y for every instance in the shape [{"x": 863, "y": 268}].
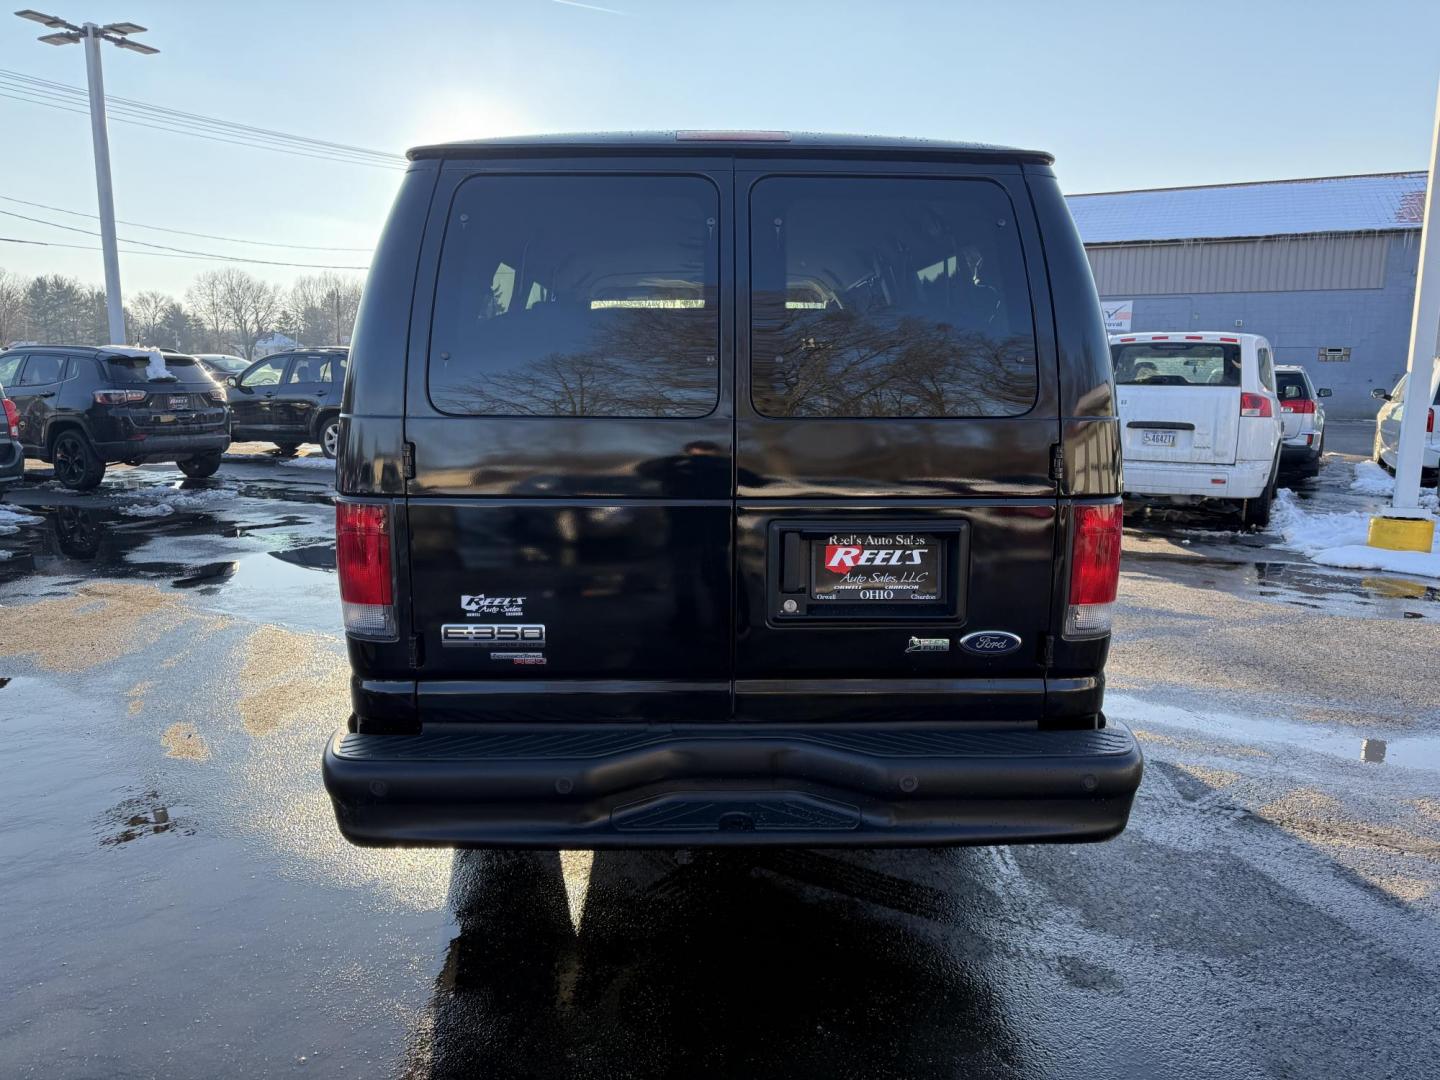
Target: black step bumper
[{"x": 631, "y": 786}]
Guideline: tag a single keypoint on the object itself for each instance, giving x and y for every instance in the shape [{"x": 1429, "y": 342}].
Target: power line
[
  {"x": 174, "y": 255},
  {"x": 182, "y": 232},
  {"x": 18, "y": 87},
  {"x": 56, "y": 89}
]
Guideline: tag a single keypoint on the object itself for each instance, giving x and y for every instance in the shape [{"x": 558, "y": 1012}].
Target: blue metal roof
[{"x": 1274, "y": 208}]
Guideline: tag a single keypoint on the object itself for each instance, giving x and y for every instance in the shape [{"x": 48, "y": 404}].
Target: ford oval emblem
[{"x": 990, "y": 642}]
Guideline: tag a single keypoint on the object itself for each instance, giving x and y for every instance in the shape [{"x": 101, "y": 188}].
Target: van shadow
[{"x": 755, "y": 963}]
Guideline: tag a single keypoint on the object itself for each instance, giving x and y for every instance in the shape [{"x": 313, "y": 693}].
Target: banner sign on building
[{"x": 1118, "y": 314}]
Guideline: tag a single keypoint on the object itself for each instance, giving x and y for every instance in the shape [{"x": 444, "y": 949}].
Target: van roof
[{"x": 749, "y": 143}]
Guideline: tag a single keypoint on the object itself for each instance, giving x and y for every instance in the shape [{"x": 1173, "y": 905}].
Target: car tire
[
  {"x": 201, "y": 465},
  {"x": 77, "y": 466},
  {"x": 287, "y": 449},
  {"x": 329, "y": 439},
  {"x": 1255, "y": 513}
]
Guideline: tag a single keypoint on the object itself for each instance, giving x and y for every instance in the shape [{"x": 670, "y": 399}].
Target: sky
[{"x": 1126, "y": 95}]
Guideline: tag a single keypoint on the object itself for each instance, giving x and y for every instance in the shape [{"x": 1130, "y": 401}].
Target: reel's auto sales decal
[{"x": 876, "y": 568}]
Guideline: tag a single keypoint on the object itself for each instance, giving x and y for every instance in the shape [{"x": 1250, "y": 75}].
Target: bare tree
[
  {"x": 12, "y": 307},
  {"x": 320, "y": 309},
  {"x": 206, "y": 298},
  {"x": 147, "y": 316},
  {"x": 252, "y": 307}
]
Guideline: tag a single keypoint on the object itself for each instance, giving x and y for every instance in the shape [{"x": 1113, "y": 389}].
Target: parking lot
[{"x": 178, "y": 901}]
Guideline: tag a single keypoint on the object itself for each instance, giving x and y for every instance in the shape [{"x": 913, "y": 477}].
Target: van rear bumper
[
  {"x": 635, "y": 786},
  {"x": 1235, "y": 480}
]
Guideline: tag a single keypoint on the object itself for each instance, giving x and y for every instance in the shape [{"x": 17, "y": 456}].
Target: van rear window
[
  {"x": 1176, "y": 363},
  {"x": 578, "y": 296},
  {"x": 888, "y": 297}
]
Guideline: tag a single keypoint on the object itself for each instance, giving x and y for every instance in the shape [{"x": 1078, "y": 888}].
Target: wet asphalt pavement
[{"x": 176, "y": 901}]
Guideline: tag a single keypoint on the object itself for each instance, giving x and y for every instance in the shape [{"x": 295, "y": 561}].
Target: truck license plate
[
  {"x": 179, "y": 401},
  {"x": 1159, "y": 438},
  {"x": 877, "y": 568}
]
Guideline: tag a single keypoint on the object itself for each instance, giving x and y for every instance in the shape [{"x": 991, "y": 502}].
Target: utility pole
[
  {"x": 1405, "y": 526},
  {"x": 92, "y": 34}
]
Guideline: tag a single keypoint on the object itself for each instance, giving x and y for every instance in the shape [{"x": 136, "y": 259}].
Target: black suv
[
  {"x": 82, "y": 407},
  {"x": 290, "y": 398},
  {"x": 729, "y": 489}
]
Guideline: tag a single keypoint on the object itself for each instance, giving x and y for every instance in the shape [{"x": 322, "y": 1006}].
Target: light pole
[{"x": 91, "y": 34}]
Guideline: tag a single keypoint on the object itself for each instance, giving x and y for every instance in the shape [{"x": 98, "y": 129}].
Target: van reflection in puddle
[
  {"x": 713, "y": 963},
  {"x": 1372, "y": 750}
]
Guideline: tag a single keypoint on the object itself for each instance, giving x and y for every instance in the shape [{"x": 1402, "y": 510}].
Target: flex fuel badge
[{"x": 928, "y": 644}]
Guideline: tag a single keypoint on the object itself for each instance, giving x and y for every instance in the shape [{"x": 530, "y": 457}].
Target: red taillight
[
  {"x": 1094, "y": 570},
  {"x": 12, "y": 418},
  {"x": 1430, "y": 420},
  {"x": 1301, "y": 405},
  {"x": 362, "y": 557},
  {"x": 119, "y": 397},
  {"x": 1254, "y": 404}
]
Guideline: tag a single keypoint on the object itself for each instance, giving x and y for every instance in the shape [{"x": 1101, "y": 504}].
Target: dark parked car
[
  {"x": 12, "y": 454},
  {"x": 290, "y": 398},
  {"x": 729, "y": 489},
  {"x": 222, "y": 365},
  {"x": 82, "y": 407}
]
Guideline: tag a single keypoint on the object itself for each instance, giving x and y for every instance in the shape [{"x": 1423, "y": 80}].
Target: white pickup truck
[{"x": 1199, "y": 418}]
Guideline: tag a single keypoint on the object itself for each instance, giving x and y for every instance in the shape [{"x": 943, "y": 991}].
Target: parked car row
[
  {"x": 1387, "y": 427},
  {"x": 82, "y": 408}
]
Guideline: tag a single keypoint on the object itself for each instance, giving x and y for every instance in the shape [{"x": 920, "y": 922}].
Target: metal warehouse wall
[{"x": 1303, "y": 293}]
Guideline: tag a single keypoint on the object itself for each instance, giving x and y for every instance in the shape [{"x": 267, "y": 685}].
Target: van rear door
[
  {"x": 896, "y": 415},
  {"x": 1179, "y": 398},
  {"x": 568, "y": 405}
]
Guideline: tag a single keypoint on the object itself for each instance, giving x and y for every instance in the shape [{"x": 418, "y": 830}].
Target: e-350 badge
[{"x": 524, "y": 635}]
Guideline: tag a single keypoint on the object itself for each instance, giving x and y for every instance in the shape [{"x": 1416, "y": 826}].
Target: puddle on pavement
[
  {"x": 1301, "y": 584},
  {"x": 268, "y": 561},
  {"x": 1413, "y": 752}
]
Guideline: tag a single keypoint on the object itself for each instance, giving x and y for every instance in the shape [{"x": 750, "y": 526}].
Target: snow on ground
[
  {"x": 164, "y": 501},
  {"x": 11, "y": 520},
  {"x": 1371, "y": 479},
  {"x": 308, "y": 463},
  {"x": 1339, "y": 539}
]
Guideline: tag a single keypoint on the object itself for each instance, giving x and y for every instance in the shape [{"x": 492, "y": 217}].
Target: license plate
[
  {"x": 877, "y": 568},
  {"x": 1158, "y": 438},
  {"x": 179, "y": 401}
]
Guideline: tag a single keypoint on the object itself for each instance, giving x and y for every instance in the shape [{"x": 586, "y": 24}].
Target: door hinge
[
  {"x": 415, "y": 650},
  {"x": 1057, "y": 464},
  {"x": 407, "y": 460}
]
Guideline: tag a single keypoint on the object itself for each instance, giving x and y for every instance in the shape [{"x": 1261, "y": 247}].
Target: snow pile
[
  {"x": 1339, "y": 540},
  {"x": 1371, "y": 479},
  {"x": 155, "y": 366},
  {"x": 11, "y": 520},
  {"x": 164, "y": 501}
]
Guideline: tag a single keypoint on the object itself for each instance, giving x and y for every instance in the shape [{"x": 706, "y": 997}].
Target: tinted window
[
  {"x": 1177, "y": 363},
  {"x": 266, "y": 373},
  {"x": 883, "y": 297},
  {"x": 1267, "y": 369},
  {"x": 41, "y": 369},
  {"x": 1291, "y": 386},
  {"x": 571, "y": 296},
  {"x": 309, "y": 368},
  {"x": 135, "y": 369},
  {"x": 333, "y": 370},
  {"x": 9, "y": 368}
]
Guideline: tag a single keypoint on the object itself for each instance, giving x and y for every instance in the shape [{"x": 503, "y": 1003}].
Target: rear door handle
[{"x": 46, "y": 393}]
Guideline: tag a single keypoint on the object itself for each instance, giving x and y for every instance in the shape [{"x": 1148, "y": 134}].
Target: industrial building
[{"x": 1324, "y": 268}]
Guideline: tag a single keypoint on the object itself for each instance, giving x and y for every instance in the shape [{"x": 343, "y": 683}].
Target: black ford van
[{"x": 728, "y": 488}]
